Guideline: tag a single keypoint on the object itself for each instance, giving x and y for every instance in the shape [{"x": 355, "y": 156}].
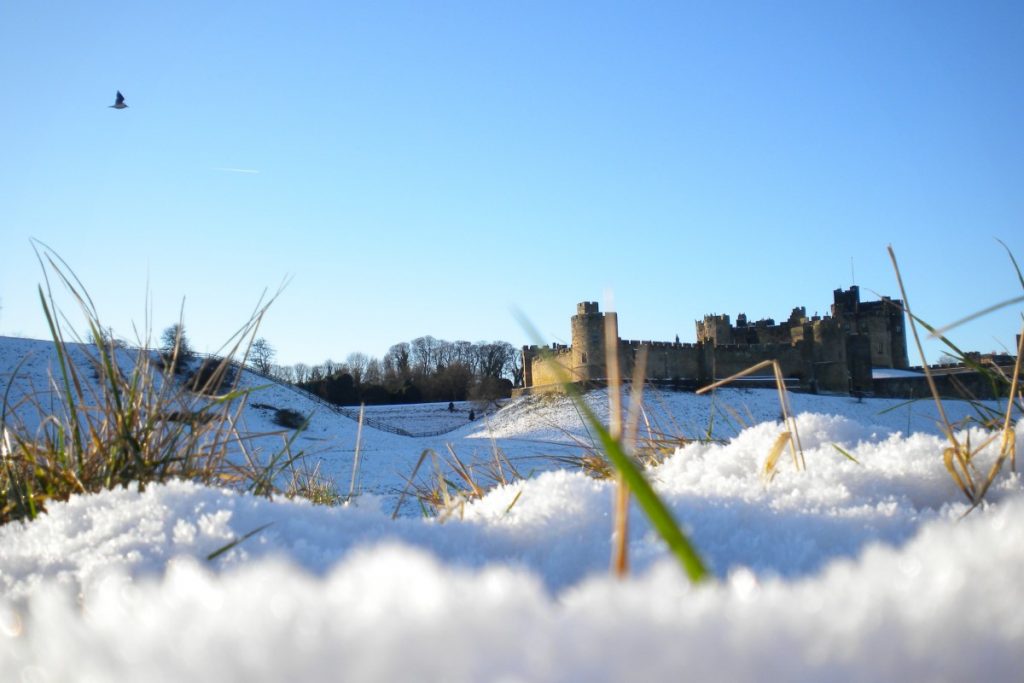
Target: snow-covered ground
[{"x": 860, "y": 570}]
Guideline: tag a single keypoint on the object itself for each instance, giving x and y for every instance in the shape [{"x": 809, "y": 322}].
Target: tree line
[{"x": 425, "y": 369}]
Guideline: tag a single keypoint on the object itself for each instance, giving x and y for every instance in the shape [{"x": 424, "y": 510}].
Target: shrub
[
  {"x": 213, "y": 376},
  {"x": 288, "y": 418},
  {"x": 175, "y": 348}
]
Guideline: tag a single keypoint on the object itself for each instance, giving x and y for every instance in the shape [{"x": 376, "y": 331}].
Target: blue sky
[{"x": 430, "y": 167}]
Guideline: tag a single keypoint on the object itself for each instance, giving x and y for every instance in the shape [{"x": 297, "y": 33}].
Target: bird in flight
[{"x": 119, "y": 102}]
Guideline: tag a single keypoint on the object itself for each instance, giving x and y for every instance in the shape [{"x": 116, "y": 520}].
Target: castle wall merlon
[{"x": 832, "y": 352}]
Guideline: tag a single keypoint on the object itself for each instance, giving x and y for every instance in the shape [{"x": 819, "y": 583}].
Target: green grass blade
[
  {"x": 223, "y": 549},
  {"x": 1013, "y": 260},
  {"x": 649, "y": 501},
  {"x": 655, "y": 509},
  {"x": 62, "y": 358},
  {"x": 845, "y": 453}
]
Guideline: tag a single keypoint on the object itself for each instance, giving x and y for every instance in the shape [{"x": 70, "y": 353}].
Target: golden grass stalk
[
  {"x": 1009, "y": 435},
  {"x": 1008, "y": 442},
  {"x": 409, "y": 482},
  {"x": 958, "y": 458},
  {"x": 771, "y": 462},
  {"x": 791, "y": 436},
  {"x": 454, "y": 482},
  {"x": 620, "y": 535},
  {"x": 355, "y": 460},
  {"x": 653, "y": 506},
  {"x": 620, "y": 508},
  {"x": 947, "y": 428}
]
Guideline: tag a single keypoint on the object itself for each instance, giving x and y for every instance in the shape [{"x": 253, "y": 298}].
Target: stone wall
[
  {"x": 546, "y": 366},
  {"x": 834, "y": 353},
  {"x": 665, "y": 360},
  {"x": 963, "y": 385}
]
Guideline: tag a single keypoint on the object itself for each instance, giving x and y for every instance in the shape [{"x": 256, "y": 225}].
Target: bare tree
[
  {"x": 493, "y": 358},
  {"x": 397, "y": 366},
  {"x": 424, "y": 354},
  {"x": 175, "y": 347},
  {"x": 465, "y": 353},
  {"x": 301, "y": 373},
  {"x": 261, "y": 355},
  {"x": 283, "y": 373},
  {"x": 316, "y": 373},
  {"x": 515, "y": 367},
  {"x": 357, "y": 363},
  {"x": 447, "y": 353},
  {"x": 374, "y": 372}
]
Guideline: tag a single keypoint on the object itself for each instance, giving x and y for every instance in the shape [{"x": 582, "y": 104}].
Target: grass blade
[{"x": 223, "y": 549}]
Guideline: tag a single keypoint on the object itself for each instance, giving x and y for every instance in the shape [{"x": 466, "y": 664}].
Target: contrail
[{"x": 236, "y": 170}]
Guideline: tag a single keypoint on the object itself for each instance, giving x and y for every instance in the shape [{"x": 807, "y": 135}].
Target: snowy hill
[{"x": 848, "y": 571}]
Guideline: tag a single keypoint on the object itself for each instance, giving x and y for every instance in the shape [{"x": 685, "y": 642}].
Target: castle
[{"x": 834, "y": 353}]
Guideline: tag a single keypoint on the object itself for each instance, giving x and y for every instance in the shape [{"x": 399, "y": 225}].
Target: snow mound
[{"x": 847, "y": 571}]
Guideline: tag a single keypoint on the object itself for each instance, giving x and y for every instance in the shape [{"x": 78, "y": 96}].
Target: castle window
[{"x": 583, "y": 357}]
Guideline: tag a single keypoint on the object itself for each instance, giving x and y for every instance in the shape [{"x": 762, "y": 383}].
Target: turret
[
  {"x": 715, "y": 329},
  {"x": 588, "y": 347}
]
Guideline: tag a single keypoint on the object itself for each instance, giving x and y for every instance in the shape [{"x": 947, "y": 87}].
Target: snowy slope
[{"x": 848, "y": 571}]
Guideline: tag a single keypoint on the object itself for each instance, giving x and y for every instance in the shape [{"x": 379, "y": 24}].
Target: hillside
[{"x": 861, "y": 570}]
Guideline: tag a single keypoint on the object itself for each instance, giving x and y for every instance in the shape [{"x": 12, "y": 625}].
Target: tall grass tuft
[
  {"x": 615, "y": 451},
  {"x": 452, "y": 482},
  {"x": 114, "y": 417},
  {"x": 959, "y": 457},
  {"x": 790, "y": 436}
]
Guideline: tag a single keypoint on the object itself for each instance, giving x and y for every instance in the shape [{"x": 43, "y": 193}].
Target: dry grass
[
  {"x": 310, "y": 484},
  {"x": 960, "y": 457},
  {"x": 790, "y": 436},
  {"x": 113, "y": 417},
  {"x": 450, "y": 483},
  {"x": 616, "y": 450}
]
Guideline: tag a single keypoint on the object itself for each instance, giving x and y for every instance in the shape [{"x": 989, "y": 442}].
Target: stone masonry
[{"x": 834, "y": 353}]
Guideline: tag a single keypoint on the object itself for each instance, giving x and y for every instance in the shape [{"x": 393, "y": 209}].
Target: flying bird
[{"x": 119, "y": 102}]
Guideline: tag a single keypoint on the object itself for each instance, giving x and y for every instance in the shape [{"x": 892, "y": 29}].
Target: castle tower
[
  {"x": 893, "y": 310},
  {"x": 715, "y": 329},
  {"x": 880, "y": 321},
  {"x": 846, "y": 303},
  {"x": 588, "y": 347},
  {"x": 831, "y": 369}
]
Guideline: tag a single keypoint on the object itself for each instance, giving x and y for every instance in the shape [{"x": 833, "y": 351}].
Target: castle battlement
[{"x": 833, "y": 352}]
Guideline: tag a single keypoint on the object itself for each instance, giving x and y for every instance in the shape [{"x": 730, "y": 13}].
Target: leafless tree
[
  {"x": 515, "y": 367},
  {"x": 174, "y": 342},
  {"x": 397, "y": 366},
  {"x": 493, "y": 358},
  {"x": 374, "y": 372},
  {"x": 357, "y": 363},
  {"x": 261, "y": 355},
  {"x": 316, "y": 373},
  {"x": 283, "y": 373},
  {"x": 424, "y": 355}
]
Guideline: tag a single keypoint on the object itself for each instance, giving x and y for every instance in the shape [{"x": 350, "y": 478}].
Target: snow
[
  {"x": 864, "y": 570},
  {"x": 888, "y": 373}
]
